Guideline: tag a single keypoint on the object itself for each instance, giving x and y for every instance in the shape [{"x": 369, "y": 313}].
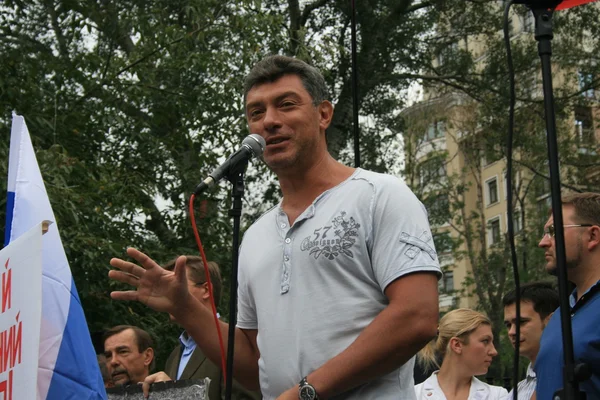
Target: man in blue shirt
[{"x": 581, "y": 219}]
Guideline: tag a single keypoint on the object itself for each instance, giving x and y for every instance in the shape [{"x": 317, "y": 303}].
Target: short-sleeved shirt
[
  {"x": 311, "y": 289},
  {"x": 585, "y": 317}
]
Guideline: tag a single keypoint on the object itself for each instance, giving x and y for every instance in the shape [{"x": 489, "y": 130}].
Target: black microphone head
[{"x": 255, "y": 143}]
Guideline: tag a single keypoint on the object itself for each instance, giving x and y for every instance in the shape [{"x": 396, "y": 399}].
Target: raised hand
[{"x": 155, "y": 287}]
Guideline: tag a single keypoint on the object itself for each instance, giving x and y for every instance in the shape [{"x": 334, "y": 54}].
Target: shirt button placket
[
  {"x": 285, "y": 270},
  {"x": 287, "y": 252}
]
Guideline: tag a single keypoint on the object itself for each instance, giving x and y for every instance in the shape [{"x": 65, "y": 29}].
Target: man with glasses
[
  {"x": 187, "y": 361},
  {"x": 581, "y": 219}
]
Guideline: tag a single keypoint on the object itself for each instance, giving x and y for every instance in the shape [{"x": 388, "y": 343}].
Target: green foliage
[{"x": 130, "y": 104}]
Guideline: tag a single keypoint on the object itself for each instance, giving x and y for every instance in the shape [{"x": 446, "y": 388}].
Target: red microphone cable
[
  {"x": 210, "y": 287},
  {"x": 572, "y": 3}
]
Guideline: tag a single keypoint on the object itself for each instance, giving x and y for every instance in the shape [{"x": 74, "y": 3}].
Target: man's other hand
[{"x": 150, "y": 379}]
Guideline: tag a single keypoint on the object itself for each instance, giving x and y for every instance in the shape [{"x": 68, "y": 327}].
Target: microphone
[{"x": 253, "y": 145}]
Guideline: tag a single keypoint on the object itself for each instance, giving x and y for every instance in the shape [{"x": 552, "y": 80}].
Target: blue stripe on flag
[
  {"x": 10, "y": 206},
  {"x": 67, "y": 381}
]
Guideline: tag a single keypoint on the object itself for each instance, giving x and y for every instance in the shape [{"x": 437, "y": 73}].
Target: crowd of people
[{"x": 338, "y": 282}]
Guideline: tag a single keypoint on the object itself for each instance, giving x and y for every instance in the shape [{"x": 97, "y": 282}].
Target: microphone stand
[
  {"x": 236, "y": 177},
  {"x": 573, "y": 374}
]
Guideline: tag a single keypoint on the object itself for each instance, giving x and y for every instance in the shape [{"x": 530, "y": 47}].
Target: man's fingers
[
  {"x": 130, "y": 295},
  {"x": 143, "y": 259},
  {"x": 127, "y": 266},
  {"x": 124, "y": 277},
  {"x": 146, "y": 387},
  {"x": 180, "y": 269},
  {"x": 150, "y": 379}
]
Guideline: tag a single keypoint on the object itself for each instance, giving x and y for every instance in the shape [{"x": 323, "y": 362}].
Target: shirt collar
[
  {"x": 186, "y": 340},
  {"x": 530, "y": 371},
  {"x": 573, "y": 297}
]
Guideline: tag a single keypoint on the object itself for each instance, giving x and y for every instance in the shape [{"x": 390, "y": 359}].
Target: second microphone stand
[{"x": 573, "y": 374}]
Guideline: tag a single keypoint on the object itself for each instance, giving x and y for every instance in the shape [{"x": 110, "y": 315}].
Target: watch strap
[{"x": 306, "y": 391}]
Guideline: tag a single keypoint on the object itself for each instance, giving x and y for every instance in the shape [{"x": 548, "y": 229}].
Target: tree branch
[{"x": 309, "y": 8}]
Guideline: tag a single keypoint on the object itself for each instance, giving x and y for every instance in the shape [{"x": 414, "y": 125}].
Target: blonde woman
[{"x": 465, "y": 341}]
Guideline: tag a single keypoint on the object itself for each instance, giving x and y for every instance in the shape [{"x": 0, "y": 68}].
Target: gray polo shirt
[{"x": 311, "y": 289}]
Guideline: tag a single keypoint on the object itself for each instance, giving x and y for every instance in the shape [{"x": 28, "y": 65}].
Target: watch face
[{"x": 307, "y": 393}]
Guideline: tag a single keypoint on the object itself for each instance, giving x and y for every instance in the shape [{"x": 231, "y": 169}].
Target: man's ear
[
  {"x": 456, "y": 345},
  {"x": 325, "y": 113},
  {"x": 206, "y": 294},
  {"x": 148, "y": 356},
  {"x": 594, "y": 241}
]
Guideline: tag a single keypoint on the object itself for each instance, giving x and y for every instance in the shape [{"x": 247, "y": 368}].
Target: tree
[
  {"x": 123, "y": 100},
  {"x": 130, "y": 104},
  {"x": 471, "y": 96}
]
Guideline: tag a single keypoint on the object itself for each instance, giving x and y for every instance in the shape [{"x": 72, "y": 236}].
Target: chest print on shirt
[{"x": 333, "y": 239}]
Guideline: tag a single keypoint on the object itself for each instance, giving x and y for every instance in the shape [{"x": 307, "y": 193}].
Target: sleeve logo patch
[{"x": 418, "y": 244}]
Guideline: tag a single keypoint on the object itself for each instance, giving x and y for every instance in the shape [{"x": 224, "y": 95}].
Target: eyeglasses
[{"x": 550, "y": 232}]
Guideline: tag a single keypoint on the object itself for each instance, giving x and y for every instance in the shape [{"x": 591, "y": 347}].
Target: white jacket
[{"x": 430, "y": 390}]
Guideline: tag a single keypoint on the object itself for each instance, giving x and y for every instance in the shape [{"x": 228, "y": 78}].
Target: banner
[
  {"x": 20, "y": 313},
  {"x": 67, "y": 364}
]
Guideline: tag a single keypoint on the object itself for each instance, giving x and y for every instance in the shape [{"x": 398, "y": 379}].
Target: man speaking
[{"x": 337, "y": 283}]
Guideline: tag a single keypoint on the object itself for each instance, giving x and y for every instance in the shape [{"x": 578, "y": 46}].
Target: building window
[
  {"x": 517, "y": 221},
  {"x": 584, "y": 126},
  {"x": 447, "y": 53},
  {"x": 438, "y": 208},
  {"x": 435, "y": 130},
  {"x": 492, "y": 191},
  {"x": 541, "y": 187},
  {"x": 494, "y": 232},
  {"x": 443, "y": 242},
  {"x": 490, "y": 155},
  {"x": 586, "y": 82},
  {"x": 516, "y": 182},
  {"x": 432, "y": 171},
  {"x": 446, "y": 284}
]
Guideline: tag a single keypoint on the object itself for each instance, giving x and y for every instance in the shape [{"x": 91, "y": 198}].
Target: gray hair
[{"x": 272, "y": 68}]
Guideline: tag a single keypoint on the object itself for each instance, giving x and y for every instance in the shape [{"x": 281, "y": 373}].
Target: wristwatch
[{"x": 306, "y": 391}]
